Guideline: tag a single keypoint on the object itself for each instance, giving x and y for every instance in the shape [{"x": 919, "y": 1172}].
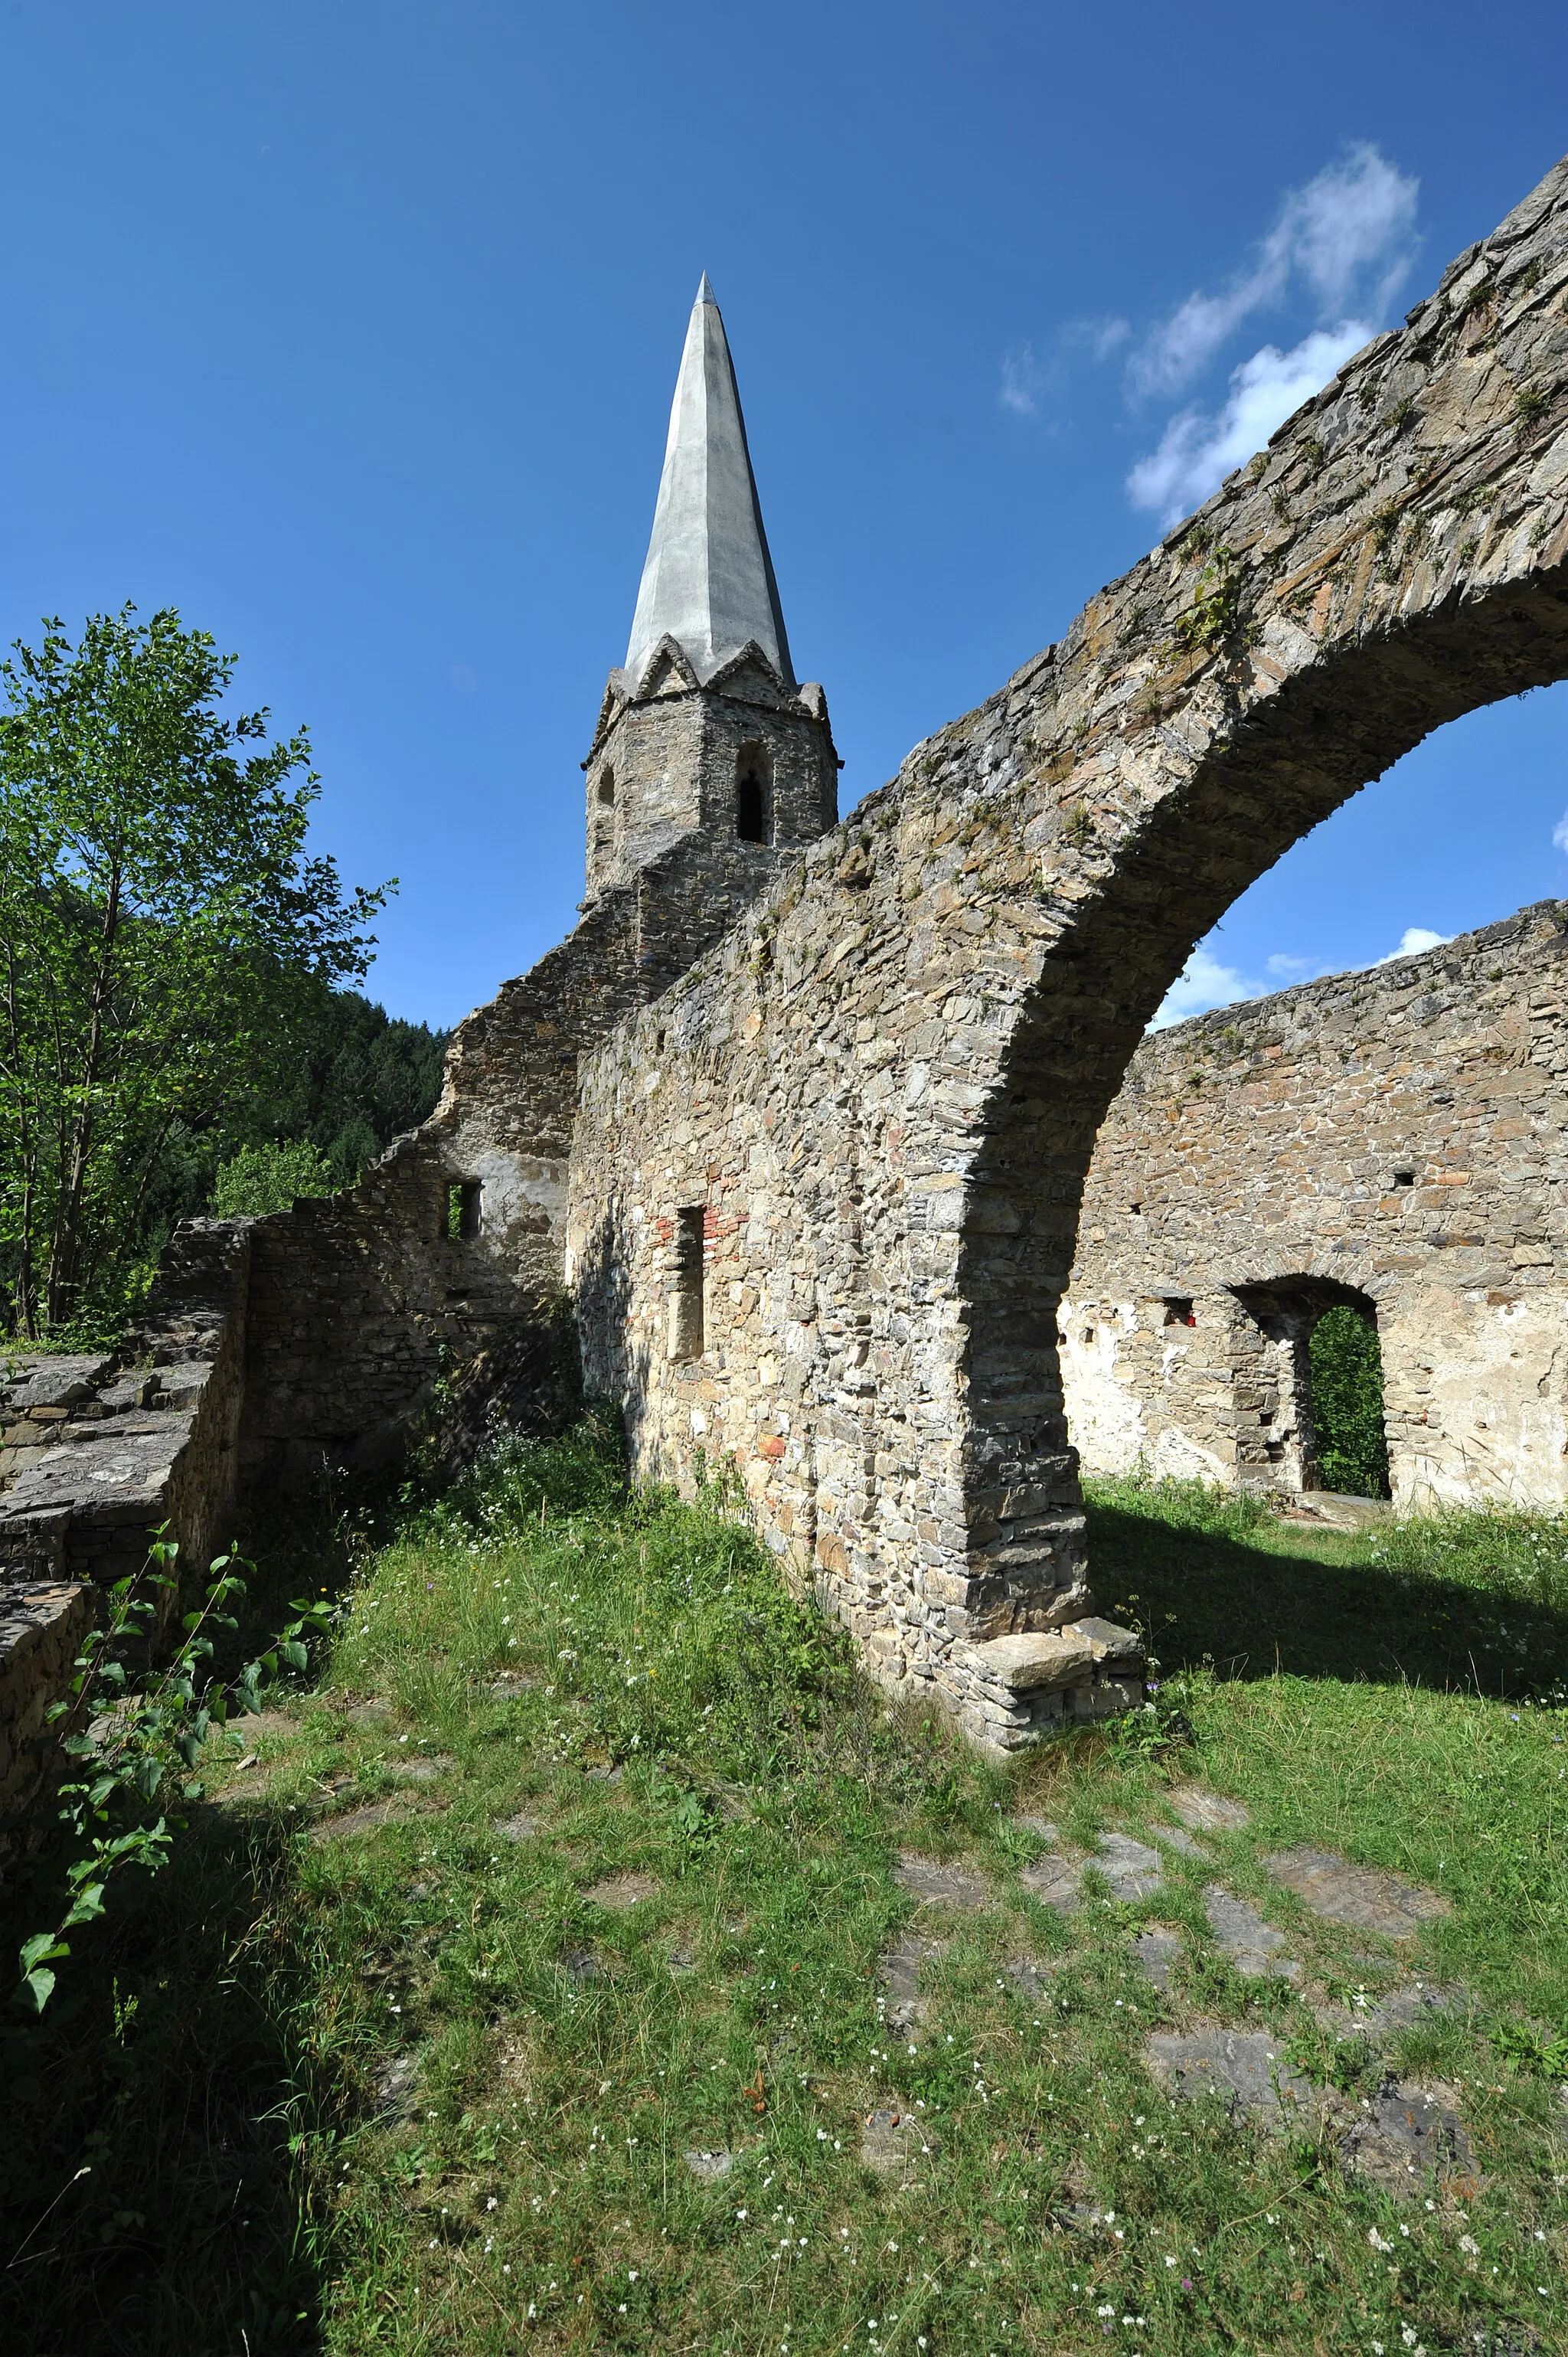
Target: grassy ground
[{"x": 580, "y": 1858}]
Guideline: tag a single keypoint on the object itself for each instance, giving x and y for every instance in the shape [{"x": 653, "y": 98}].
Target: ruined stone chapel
[{"x": 799, "y": 1118}]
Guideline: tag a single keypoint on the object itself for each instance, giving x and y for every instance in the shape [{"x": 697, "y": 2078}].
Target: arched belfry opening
[{"x": 753, "y": 795}]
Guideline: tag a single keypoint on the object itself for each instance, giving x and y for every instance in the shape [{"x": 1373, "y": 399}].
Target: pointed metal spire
[{"x": 708, "y": 579}]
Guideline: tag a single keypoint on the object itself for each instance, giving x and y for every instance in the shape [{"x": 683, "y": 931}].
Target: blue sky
[{"x": 349, "y": 328}]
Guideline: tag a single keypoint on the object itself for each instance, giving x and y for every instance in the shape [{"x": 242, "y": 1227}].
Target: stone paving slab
[
  {"x": 1131, "y": 1868},
  {"x": 1370, "y": 1898},
  {"x": 510, "y": 1686},
  {"x": 1203, "y": 1811},
  {"x": 1405, "y": 2135},
  {"x": 1025, "y": 1978},
  {"x": 709, "y": 2166},
  {"x": 620, "y": 1892},
  {"x": 1173, "y": 1837},
  {"x": 1253, "y": 1945},
  {"x": 1058, "y": 1880},
  {"x": 519, "y": 1828},
  {"x": 394, "y": 2083},
  {"x": 1401, "y": 2008},
  {"x": 899, "y": 1972},
  {"x": 422, "y": 1770},
  {"x": 1246, "y": 2068},
  {"x": 392, "y": 1810},
  {"x": 895, "y": 2140},
  {"x": 1156, "y": 1952},
  {"x": 939, "y": 1885}
]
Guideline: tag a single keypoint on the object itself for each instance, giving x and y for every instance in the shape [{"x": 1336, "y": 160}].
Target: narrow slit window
[
  {"x": 752, "y": 796},
  {"x": 686, "y": 1340},
  {"x": 461, "y": 1218}
]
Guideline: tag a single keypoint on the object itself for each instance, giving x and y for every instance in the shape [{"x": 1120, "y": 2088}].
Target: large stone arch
[{"x": 885, "y": 1087}]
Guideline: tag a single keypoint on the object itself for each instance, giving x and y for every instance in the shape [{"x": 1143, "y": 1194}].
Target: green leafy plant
[
  {"x": 1215, "y": 615},
  {"x": 1543, "y": 2053},
  {"x": 131, "y": 1748}
]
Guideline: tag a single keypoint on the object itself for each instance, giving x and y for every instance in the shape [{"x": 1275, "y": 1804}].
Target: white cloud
[
  {"x": 1348, "y": 234},
  {"x": 1412, "y": 941},
  {"x": 1197, "y": 452},
  {"x": 1203, "y": 983},
  {"x": 1560, "y": 832},
  {"x": 1098, "y": 337},
  {"x": 1028, "y": 380},
  {"x": 1021, "y": 376}
]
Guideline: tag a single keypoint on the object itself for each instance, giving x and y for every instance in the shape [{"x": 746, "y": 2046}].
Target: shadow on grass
[
  {"x": 149, "y": 2199},
  {"x": 149, "y": 2196},
  {"x": 1252, "y": 1610}
]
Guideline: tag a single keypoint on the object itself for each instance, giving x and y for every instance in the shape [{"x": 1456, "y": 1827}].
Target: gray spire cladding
[{"x": 708, "y": 579}]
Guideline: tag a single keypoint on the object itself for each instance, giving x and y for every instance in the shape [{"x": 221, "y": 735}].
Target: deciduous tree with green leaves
[{"x": 165, "y": 934}]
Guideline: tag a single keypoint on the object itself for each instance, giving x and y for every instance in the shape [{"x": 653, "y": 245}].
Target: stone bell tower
[{"x": 704, "y": 733}]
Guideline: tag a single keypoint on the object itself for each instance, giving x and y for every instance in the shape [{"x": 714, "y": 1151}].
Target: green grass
[{"x": 364, "y": 2093}]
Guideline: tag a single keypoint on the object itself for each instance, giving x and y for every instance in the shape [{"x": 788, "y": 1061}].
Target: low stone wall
[
  {"x": 1397, "y": 1136},
  {"x": 98, "y": 1452},
  {"x": 43, "y": 1625}
]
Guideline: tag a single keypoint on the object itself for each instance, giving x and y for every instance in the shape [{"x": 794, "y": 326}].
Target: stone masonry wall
[
  {"x": 358, "y": 1301},
  {"x": 861, "y": 1124},
  {"x": 1399, "y": 1135},
  {"x": 666, "y": 760},
  {"x": 43, "y": 1627}
]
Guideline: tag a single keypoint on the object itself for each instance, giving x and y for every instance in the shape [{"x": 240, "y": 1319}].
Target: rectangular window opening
[
  {"x": 1178, "y": 1312},
  {"x": 686, "y": 1337},
  {"x": 461, "y": 1216}
]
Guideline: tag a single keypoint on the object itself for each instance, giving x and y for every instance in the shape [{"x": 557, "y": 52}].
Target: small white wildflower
[{"x": 1377, "y": 2240}]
